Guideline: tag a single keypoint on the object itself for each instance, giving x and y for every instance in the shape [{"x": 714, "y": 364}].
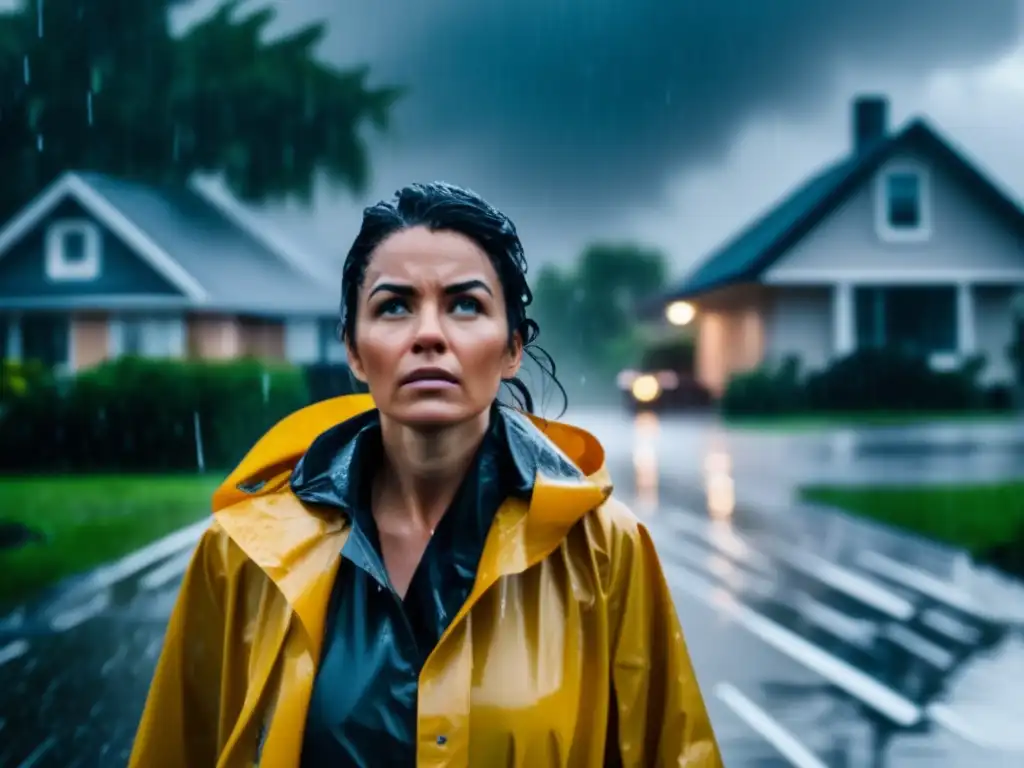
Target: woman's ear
[
  {"x": 514, "y": 356},
  {"x": 354, "y": 363}
]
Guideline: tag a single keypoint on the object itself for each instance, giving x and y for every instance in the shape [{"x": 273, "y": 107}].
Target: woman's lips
[{"x": 428, "y": 384}]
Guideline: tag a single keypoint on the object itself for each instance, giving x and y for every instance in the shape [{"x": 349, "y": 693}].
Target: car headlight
[{"x": 645, "y": 389}]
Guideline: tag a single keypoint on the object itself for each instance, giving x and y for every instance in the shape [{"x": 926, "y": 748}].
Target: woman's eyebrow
[
  {"x": 466, "y": 286},
  {"x": 401, "y": 290}
]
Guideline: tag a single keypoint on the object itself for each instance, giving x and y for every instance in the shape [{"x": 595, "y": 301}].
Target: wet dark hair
[{"x": 444, "y": 207}]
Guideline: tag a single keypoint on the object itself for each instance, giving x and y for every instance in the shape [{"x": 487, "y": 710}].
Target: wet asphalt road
[{"x": 810, "y": 633}]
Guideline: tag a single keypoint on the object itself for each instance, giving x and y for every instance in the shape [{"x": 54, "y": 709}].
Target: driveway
[{"x": 812, "y": 634}]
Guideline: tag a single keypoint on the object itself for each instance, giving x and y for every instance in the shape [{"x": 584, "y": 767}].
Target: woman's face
[{"x": 431, "y": 331}]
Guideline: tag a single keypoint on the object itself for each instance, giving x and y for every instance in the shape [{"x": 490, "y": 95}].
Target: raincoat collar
[
  {"x": 298, "y": 544},
  {"x": 337, "y": 469},
  {"x": 327, "y": 473}
]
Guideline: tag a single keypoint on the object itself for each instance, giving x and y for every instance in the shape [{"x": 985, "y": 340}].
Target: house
[
  {"x": 98, "y": 267},
  {"x": 903, "y": 242}
]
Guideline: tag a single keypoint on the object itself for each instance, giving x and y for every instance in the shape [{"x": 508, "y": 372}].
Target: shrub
[
  {"x": 145, "y": 415},
  {"x": 892, "y": 380},
  {"x": 998, "y": 397},
  {"x": 18, "y": 379},
  {"x": 765, "y": 391}
]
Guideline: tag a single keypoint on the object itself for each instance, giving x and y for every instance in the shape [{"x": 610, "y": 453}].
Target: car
[{"x": 662, "y": 390}]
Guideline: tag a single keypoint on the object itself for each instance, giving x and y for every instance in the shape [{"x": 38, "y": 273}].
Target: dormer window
[
  {"x": 902, "y": 209},
  {"x": 904, "y": 200},
  {"x": 73, "y": 250}
]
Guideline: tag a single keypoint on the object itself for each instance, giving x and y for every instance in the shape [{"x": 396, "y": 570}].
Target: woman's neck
[{"x": 422, "y": 470}]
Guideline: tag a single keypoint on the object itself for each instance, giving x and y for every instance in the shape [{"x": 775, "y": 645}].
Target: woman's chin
[{"x": 432, "y": 414}]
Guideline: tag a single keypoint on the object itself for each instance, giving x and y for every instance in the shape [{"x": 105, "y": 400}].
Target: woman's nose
[{"x": 429, "y": 332}]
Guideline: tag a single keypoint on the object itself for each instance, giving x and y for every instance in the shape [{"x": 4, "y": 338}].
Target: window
[
  {"x": 919, "y": 320},
  {"x": 902, "y": 210},
  {"x": 162, "y": 337},
  {"x": 72, "y": 250},
  {"x": 904, "y": 200}
]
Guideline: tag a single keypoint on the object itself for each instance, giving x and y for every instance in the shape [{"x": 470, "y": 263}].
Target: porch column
[
  {"x": 843, "y": 340},
  {"x": 14, "y": 351},
  {"x": 967, "y": 338}
]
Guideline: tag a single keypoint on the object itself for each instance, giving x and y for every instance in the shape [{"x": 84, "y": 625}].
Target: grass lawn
[
  {"x": 89, "y": 520},
  {"x": 977, "y": 517},
  {"x": 818, "y": 421}
]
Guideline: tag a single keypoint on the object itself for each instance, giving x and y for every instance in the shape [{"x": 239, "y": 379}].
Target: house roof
[
  {"x": 218, "y": 260},
  {"x": 744, "y": 258}
]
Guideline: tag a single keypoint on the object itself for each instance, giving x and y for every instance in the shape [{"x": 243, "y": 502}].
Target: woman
[{"x": 425, "y": 578}]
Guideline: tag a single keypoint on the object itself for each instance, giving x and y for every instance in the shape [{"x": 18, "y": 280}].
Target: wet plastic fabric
[
  {"x": 370, "y": 721},
  {"x": 566, "y": 651}
]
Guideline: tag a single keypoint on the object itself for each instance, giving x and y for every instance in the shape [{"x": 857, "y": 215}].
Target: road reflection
[
  {"x": 718, "y": 485},
  {"x": 645, "y": 463}
]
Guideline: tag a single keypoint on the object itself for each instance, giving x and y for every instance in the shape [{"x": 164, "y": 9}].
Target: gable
[
  {"x": 121, "y": 271},
  {"x": 961, "y": 233}
]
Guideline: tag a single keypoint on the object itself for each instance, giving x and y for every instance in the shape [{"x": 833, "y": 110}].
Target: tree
[
  {"x": 104, "y": 85},
  {"x": 612, "y": 279},
  {"x": 588, "y": 313}
]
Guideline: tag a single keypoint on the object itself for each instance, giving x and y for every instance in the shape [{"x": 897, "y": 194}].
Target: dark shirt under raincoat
[{"x": 537, "y": 631}]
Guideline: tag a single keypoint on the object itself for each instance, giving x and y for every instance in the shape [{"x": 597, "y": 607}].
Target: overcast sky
[{"x": 666, "y": 121}]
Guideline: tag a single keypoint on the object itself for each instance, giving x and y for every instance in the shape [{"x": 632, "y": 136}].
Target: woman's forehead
[{"x": 421, "y": 257}]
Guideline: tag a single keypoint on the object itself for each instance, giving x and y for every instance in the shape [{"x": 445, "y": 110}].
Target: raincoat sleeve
[
  {"x": 661, "y": 717},
  {"x": 182, "y": 721}
]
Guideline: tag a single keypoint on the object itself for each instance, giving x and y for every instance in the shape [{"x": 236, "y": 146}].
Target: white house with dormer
[{"x": 903, "y": 242}]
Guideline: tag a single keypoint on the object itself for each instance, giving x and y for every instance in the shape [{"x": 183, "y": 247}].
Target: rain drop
[
  {"x": 39, "y": 17},
  {"x": 39, "y": 142},
  {"x": 88, "y": 105},
  {"x": 198, "y": 431},
  {"x": 27, "y": 78}
]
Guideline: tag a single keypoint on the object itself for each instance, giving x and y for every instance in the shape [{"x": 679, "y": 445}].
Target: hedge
[
  {"x": 866, "y": 380},
  {"x": 146, "y": 415}
]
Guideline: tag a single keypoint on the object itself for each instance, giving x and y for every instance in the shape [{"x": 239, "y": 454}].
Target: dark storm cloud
[{"x": 608, "y": 98}]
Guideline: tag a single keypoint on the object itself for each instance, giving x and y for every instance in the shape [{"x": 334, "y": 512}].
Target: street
[{"x": 818, "y": 640}]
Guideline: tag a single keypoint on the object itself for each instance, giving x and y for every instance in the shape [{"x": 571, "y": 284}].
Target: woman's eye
[
  {"x": 392, "y": 307},
  {"x": 466, "y": 305}
]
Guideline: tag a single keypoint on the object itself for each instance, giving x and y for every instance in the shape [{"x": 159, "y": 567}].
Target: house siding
[
  {"x": 967, "y": 239},
  {"x": 90, "y": 340},
  {"x": 263, "y": 339},
  {"x": 798, "y": 323},
  {"x": 731, "y": 335},
  {"x": 214, "y": 337}
]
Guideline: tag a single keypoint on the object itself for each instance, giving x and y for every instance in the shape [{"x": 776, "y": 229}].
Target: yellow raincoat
[{"x": 522, "y": 677}]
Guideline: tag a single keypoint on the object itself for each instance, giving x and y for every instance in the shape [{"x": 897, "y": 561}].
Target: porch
[
  {"x": 72, "y": 341},
  {"x": 742, "y": 327},
  {"x": 947, "y": 322}
]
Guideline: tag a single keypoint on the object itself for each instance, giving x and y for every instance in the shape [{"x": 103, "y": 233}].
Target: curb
[
  {"x": 75, "y": 588},
  {"x": 107, "y": 575}
]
